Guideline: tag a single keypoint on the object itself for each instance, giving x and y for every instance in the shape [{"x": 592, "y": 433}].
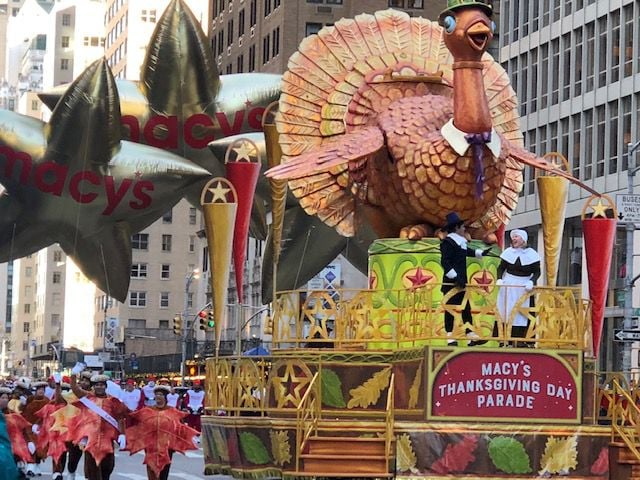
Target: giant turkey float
[{"x": 389, "y": 124}]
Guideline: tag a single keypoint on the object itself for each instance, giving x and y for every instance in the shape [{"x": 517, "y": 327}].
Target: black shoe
[
  {"x": 474, "y": 343},
  {"x": 452, "y": 343}
]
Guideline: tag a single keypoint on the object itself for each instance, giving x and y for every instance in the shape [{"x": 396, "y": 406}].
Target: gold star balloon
[{"x": 75, "y": 182}]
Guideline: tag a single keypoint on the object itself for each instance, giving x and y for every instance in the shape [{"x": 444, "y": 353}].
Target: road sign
[
  {"x": 628, "y": 206},
  {"x": 627, "y": 335}
]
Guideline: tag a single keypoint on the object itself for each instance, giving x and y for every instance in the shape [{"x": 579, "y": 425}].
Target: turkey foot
[{"x": 416, "y": 232}]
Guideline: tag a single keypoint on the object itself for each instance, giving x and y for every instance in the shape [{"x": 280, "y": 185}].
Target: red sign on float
[{"x": 501, "y": 386}]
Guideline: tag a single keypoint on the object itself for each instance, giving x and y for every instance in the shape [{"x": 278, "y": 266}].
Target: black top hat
[{"x": 453, "y": 221}]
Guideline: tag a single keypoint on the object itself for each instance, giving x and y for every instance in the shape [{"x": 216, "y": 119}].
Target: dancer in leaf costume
[
  {"x": 19, "y": 430},
  {"x": 159, "y": 431},
  {"x": 100, "y": 423}
]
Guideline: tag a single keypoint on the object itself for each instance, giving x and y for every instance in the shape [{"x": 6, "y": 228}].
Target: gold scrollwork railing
[
  {"x": 308, "y": 415},
  {"x": 391, "y": 319},
  {"x": 625, "y": 423},
  {"x": 388, "y": 427}
]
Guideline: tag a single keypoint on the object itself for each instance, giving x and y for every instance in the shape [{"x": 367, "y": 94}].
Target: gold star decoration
[
  {"x": 600, "y": 209},
  {"x": 245, "y": 151},
  {"x": 219, "y": 193},
  {"x": 601, "y": 206},
  {"x": 291, "y": 386}
]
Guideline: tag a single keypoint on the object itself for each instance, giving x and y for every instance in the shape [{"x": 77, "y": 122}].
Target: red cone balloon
[
  {"x": 599, "y": 236},
  {"x": 244, "y": 177}
]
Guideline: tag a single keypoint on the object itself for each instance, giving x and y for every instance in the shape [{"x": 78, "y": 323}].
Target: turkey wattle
[{"x": 366, "y": 131}]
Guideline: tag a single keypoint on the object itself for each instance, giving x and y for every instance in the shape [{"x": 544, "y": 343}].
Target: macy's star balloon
[
  {"x": 181, "y": 104},
  {"x": 74, "y": 182}
]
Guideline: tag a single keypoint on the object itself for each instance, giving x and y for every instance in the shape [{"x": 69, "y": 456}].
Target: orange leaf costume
[
  {"x": 158, "y": 431},
  {"x": 90, "y": 425},
  {"x": 51, "y": 442},
  {"x": 19, "y": 431}
]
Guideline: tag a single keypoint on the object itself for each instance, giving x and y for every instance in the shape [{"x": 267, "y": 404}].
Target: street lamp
[
  {"x": 240, "y": 328},
  {"x": 194, "y": 274},
  {"x": 629, "y": 280}
]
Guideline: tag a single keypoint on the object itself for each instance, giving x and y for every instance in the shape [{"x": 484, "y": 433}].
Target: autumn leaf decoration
[
  {"x": 369, "y": 392},
  {"x": 560, "y": 456},
  {"x": 457, "y": 456},
  {"x": 280, "y": 448},
  {"x": 253, "y": 449},
  {"x": 509, "y": 455},
  {"x": 331, "y": 389},
  {"x": 405, "y": 456},
  {"x": 414, "y": 391},
  {"x": 601, "y": 465}
]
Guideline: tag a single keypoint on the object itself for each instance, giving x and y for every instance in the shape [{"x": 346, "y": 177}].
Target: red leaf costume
[
  {"x": 19, "y": 430},
  {"x": 90, "y": 425},
  {"x": 157, "y": 431},
  {"x": 52, "y": 442}
]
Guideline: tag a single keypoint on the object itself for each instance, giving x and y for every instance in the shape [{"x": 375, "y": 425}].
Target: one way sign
[{"x": 627, "y": 335}]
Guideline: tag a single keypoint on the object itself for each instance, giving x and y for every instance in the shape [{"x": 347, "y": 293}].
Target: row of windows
[
  {"x": 139, "y": 299},
  {"x": 193, "y": 216},
  {"x": 140, "y": 270},
  {"x": 113, "y": 9},
  {"x": 594, "y": 141},
  {"x": 270, "y": 50},
  {"x": 594, "y": 56},
  {"x": 525, "y": 16},
  {"x": 117, "y": 29},
  {"x": 140, "y": 241},
  {"x": 87, "y": 41},
  {"x": 404, "y": 3}
]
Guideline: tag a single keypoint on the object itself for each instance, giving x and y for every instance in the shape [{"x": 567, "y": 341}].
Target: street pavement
[{"x": 130, "y": 467}]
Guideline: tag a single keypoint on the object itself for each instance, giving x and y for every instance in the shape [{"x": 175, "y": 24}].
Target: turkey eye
[
  {"x": 449, "y": 24},
  {"x": 493, "y": 27}
]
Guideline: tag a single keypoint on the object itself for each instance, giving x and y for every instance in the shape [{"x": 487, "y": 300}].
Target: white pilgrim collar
[{"x": 456, "y": 139}]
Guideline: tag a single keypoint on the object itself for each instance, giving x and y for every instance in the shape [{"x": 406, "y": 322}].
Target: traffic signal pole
[{"x": 185, "y": 322}]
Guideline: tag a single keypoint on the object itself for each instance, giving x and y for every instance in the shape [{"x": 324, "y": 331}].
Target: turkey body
[{"x": 422, "y": 178}]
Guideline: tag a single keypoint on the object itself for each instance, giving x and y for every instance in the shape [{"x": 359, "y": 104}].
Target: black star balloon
[{"x": 74, "y": 182}]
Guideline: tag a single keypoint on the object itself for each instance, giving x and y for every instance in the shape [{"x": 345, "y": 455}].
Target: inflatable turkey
[{"x": 398, "y": 121}]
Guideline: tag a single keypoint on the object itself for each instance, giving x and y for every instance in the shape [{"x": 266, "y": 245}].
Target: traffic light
[
  {"x": 177, "y": 325},
  {"x": 202, "y": 315},
  {"x": 211, "y": 323}
]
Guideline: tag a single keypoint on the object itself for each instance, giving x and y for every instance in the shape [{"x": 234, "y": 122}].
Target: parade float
[
  {"x": 359, "y": 383},
  {"x": 367, "y": 383}
]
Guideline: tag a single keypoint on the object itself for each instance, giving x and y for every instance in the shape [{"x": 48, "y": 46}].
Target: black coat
[{"x": 453, "y": 256}]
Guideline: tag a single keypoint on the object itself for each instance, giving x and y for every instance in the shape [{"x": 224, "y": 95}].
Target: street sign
[
  {"x": 628, "y": 206},
  {"x": 627, "y": 335}
]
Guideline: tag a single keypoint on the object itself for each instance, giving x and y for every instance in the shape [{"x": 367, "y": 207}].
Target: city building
[
  {"x": 575, "y": 67},
  {"x": 258, "y": 36},
  {"x": 6, "y": 293},
  {"x": 129, "y": 24}
]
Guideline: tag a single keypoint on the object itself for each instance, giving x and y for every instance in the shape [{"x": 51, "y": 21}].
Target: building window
[
  {"x": 64, "y": 42},
  {"x": 148, "y": 16},
  {"x": 57, "y": 256},
  {"x": 166, "y": 243},
  {"x": 253, "y": 13},
  {"x": 314, "y": 1},
  {"x": 139, "y": 270},
  {"x": 140, "y": 241},
  {"x": 56, "y": 299},
  {"x": 241, "y": 23},
  {"x": 229, "y": 32},
  {"x": 35, "y": 105},
  {"x": 27, "y": 309},
  {"x": 165, "y": 271},
  {"x": 276, "y": 42},
  {"x": 229, "y": 69},
  {"x": 57, "y": 277},
  {"x": 192, "y": 215},
  {"x": 310, "y": 28},
  {"x": 168, "y": 217},
  {"x": 163, "y": 323},
  {"x": 267, "y": 8},
  {"x": 55, "y": 319},
  {"x": 410, "y": 3},
  {"x": 28, "y": 271},
  {"x": 25, "y": 344},
  {"x": 265, "y": 49},
  {"x": 189, "y": 300},
  {"x": 396, "y": 3},
  {"x": 220, "y": 42},
  {"x": 628, "y": 39},
  {"x": 64, "y": 64},
  {"x": 602, "y": 51},
  {"x": 137, "y": 299},
  {"x": 240, "y": 64},
  {"x": 66, "y": 19},
  {"x": 164, "y": 299},
  {"x": 27, "y": 290},
  {"x": 192, "y": 243},
  {"x": 252, "y": 58},
  {"x": 137, "y": 323},
  {"x": 614, "y": 43}
]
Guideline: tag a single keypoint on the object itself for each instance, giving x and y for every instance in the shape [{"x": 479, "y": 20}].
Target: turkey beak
[{"x": 479, "y": 35}]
